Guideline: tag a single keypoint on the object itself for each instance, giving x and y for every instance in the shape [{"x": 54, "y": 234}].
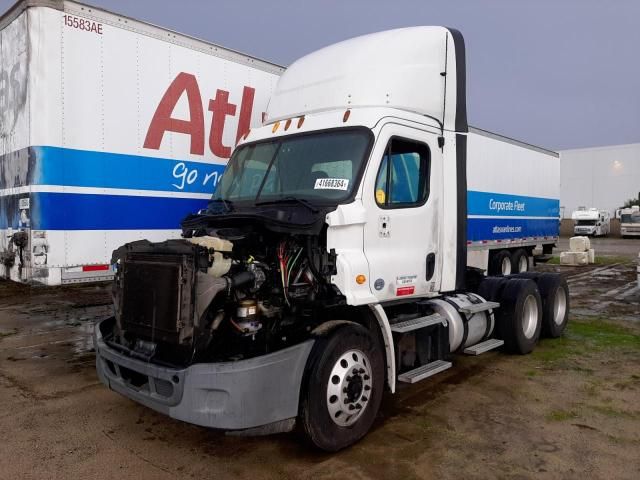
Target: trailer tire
[
  {"x": 555, "y": 304},
  {"x": 501, "y": 263},
  {"x": 520, "y": 261},
  {"x": 519, "y": 318},
  {"x": 528, "y": 275},
  {"x": 491, "y": 288},
  {"x": 331, "y": 391}
]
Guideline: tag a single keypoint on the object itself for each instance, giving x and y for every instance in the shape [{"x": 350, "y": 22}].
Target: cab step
[
  {"x": 479, "y": 307},
  {"x": 416, "y": 323},
  {"x": 424, "y": 371},
  {"x": 485, "y": 346}
]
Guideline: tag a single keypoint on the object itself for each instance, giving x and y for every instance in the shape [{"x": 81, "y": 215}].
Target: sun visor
[{"x": 418, "y": 69}]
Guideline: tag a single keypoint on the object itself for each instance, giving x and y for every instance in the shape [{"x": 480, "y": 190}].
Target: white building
[{"x": 600, "y": 177}]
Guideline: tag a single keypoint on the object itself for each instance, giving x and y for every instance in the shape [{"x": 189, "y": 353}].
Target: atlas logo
[{"x": 219, "y": 106}]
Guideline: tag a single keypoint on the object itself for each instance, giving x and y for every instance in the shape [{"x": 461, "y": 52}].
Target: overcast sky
[{"x": 557, "y": 73}]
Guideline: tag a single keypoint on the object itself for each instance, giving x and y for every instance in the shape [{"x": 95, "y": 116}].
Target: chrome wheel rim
[
  {"x": 506, "y": 266},
  {"x": 529, "y": 316},
  {"x": 349, "y": 388},
  {"x": 559, "y": 306}
]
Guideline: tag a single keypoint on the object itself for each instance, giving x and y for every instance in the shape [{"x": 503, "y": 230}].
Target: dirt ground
[{"x": 569, "y": 410}]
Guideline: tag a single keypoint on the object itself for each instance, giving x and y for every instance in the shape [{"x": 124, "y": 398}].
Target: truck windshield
[
  {"x": 630, "y": 218},
  {"x": 586, "y": 223},
  {"x": 322, "y": 167}
]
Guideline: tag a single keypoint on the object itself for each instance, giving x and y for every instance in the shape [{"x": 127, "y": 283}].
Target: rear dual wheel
[
  {"x": 505, "y": 262},
  {"x": 501, "y": 263},
  {"x": 520, "y": 261},
  {"x": 555, "y": 301},
  {"x": 519, "y": 318}
]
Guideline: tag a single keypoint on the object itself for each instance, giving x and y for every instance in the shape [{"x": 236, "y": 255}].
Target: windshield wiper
[
  {"x": 228, "y": 205},
  {"x": 290, "y": 198}
]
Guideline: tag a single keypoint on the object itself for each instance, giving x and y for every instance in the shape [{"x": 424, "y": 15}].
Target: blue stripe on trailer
[
  {"x": 74, "y": 211},
  {"x": 507, "y": 205},
  {"x": 84, "y": 168},
  {"x": 508, "y": 228}
]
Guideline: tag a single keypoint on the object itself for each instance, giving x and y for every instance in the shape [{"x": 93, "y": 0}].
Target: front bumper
[{"x": 230, "y": 396}]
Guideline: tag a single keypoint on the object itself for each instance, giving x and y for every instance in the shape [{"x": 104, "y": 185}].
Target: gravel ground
[{"x": 569, "y": 410}]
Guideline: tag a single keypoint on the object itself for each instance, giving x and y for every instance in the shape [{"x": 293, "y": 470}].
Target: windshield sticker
[{"x": 331, "y": 184}]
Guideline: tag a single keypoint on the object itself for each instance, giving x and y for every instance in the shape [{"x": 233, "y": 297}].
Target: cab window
[{"x": 403, "y": 177}]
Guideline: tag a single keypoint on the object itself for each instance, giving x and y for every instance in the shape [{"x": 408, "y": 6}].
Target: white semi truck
[
  {"x": 111, "y": 130},
  {"x": 591, "y": 222},
  {"x": 630, "y": 221},
  {"x": 332, "y": 261}
]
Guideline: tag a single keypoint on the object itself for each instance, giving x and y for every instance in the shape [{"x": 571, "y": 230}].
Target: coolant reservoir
[
  {"x": 214, "y": 243},
  {"x": 220, "y": 265}
]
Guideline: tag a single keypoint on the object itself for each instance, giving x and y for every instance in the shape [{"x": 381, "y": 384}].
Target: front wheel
[{"x": 343, "y": 388}]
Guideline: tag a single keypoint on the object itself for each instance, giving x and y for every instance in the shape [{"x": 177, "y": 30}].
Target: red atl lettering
[
  {"x": 162, "y": 120},
  {"x": 244, "y": 122},
  {"x": 220, "y": 109}
]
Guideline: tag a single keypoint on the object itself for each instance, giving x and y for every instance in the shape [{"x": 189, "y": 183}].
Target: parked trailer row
[{"x": 113, "y": 130}]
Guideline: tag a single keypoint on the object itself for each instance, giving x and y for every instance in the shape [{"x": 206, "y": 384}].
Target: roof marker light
[
  {"x": 345, "y": 117},
  {"x": 287, "y": 124},
  {"x": 300, "y": 121},
  {"x": 275, "y": 127}
]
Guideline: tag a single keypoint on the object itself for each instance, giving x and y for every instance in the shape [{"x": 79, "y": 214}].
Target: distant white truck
[
  {"x": 111, "y": 130},
  {"x": 591, "y": 222},
  {"x": 630, "y": 221}
]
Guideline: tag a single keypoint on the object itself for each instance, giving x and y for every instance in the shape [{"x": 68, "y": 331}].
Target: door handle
[{"x": 431, "y": 266}]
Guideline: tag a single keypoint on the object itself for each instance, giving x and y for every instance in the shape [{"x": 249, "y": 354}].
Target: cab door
[{"x": 402, "y": 194}]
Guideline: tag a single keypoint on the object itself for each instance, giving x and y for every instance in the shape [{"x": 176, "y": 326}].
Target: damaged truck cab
[{"x": 331, "y": 262}]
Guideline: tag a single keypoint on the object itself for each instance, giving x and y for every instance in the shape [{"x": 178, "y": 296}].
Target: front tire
[{"x": 343, "y": 388}]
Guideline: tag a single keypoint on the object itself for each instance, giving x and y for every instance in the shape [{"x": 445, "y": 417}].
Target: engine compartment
[{"x": 220, "y": 294}]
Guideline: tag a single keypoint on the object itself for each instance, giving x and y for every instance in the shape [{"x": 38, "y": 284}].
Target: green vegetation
[
  {"x": 613, "y": 412},
  {"x": 603, "y": 335},
  {"x": 599, "y": 260},
  {"x": 611, "y": 259},
  {"x": 585, "y": 335},
  {"x": 8, "y": 334},
  {"x": 561, "y": 415}
]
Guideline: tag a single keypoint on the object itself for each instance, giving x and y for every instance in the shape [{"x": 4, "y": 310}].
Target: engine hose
[
  {"x": 312, "y": 266},
  {"x": 242, "y": 278}
]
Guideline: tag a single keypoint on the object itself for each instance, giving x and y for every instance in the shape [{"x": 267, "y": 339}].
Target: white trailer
[
  {"x": 111, "y": 130},
  {"x": 331, "y": 262},
  {"x": 630, "y": 221},
  {"x": 591, "y": 222},
  {"x": 513, "y": 206}
]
